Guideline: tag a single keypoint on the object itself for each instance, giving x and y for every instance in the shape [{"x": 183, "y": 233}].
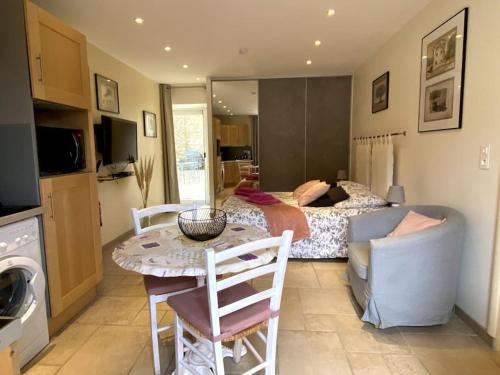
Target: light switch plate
[{"x": 484, "y": 157}]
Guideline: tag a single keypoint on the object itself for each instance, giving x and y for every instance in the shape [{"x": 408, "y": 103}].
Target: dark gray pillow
[{"x": 334, "y": 195}]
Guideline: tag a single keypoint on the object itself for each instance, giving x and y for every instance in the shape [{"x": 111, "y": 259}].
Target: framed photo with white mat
[{"x": 442, "y": 75}]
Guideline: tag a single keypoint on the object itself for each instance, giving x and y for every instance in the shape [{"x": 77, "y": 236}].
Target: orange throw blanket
[{"x": 282, "y": 216}]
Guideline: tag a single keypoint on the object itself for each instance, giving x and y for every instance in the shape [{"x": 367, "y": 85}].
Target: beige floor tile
[
  {"x": 466, "y": 362},
  {"x": 424, "y": 343},
  {"x": 142, "y": 318},
  {"x": 262, "y": 283},
  {"x": 333, "y": 322},
  {"x": 108, "y": 283},
  {"x": 168, "y": 319},
  {"x": 163, "y": 306},
  {"x": 404, "y": 365},
  {"x": 126, "y": 290},
  {"x": 333, "y": 278},
  {"x": 455, "y": 326},
  {"x": 374, "y": 341},
  {"x": 144, "y": 364},
  {"x": 327, "y": 301},
  {"x": 111, "y": 350},
  {"x": 312, "y": 353},
  {"x": 368, "y": 364},
  {"x": 64, "y": 345},
  {"x": 300, "y": 275},
  {"x": 291, "y": 317},
  {"x": 42, "y": 370},
  {"x": 132, "y": 280},
  {"x": 113, "y": 310},
  {"x": 331, "y": 264}
]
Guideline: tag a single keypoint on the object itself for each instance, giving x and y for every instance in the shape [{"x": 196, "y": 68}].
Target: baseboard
[{"x": 476, "y": 327}]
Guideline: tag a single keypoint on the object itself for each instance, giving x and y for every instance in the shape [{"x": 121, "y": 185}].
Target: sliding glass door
[{"x": 190, "y": 130}]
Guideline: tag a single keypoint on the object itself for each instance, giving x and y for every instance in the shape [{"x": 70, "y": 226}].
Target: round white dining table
[{"x": 167, "y": 252}]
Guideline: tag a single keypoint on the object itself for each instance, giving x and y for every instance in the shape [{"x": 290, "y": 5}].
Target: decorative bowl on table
[{"x": 202, "y": 224}]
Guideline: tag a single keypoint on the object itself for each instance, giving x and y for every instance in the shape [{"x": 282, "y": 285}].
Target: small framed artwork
[
  {"x": 107, "y": 94},
  {"x": 149, "y": 124},
  {"x": 380, "y": 93},
  {"x": 442, "y": 73}
]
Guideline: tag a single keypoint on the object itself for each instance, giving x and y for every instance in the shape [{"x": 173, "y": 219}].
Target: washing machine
[{"x": 22, "y": 285}]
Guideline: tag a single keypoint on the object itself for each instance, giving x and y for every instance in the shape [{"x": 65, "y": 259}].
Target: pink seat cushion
[
  {"x": 413, "y": 222},
  {"x": 193, "y": 308},
  {"x": 162, "y": 285}
]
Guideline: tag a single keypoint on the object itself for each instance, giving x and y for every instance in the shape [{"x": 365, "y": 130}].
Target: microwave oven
[{"x": 60, "y": 150}]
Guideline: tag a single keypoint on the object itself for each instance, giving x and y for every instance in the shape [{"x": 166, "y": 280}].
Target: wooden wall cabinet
[
  {"x": 72, "y": 237},
  {"x": 57, "y": 59},
  {"x": 235, "y": 135}
]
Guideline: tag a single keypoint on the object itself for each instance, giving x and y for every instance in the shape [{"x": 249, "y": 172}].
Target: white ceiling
[
  {"x": 239, "y": 97},
  {"x": 207, "y": 35}
]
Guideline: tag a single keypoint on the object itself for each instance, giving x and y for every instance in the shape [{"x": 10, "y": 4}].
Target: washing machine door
[{"x": 22, "y": 286}]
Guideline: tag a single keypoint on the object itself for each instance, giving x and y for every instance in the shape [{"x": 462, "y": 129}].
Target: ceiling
[
  {"x": 206, "y": 35},
  {"x": 237, "y": 97}
]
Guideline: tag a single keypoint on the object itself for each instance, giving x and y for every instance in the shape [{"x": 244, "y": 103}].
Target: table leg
[
  {"x": 238, "y": 350},
  {"x": 200, "y": 280}
]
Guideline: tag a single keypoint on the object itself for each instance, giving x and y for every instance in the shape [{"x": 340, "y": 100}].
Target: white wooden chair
[
  {"x": 160, "y": 289},
  {"x": 230, "y": 309}
]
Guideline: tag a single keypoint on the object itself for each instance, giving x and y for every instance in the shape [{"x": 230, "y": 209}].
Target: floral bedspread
[{"x": 328, "y": 225}]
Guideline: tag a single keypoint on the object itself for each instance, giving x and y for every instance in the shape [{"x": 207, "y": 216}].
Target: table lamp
[{"x": 396, "y": 195}]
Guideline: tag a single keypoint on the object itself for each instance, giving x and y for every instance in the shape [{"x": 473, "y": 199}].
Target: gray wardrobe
[{"x": 303, "y": 130}]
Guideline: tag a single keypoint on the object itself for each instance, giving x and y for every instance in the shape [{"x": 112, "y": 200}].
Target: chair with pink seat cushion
[
  {"x": 230, "y": 309},
  {"x": 160, "y": 289}
]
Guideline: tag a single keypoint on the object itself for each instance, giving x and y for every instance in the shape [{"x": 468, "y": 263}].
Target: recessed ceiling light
[
  {"x": 220, "y": 101},
  {"x": 309, "y": 62},
  {"x": 458, "y": 36},
  {"x": 229, "y": 110},
  {"x": 198, "y": 78},
  {"x": 424, "y": 57},
  {"x": 232, "y": 114},
  {"x": 168, "y": 48},
  {"x": 317, "y": 43},
  {"x": 213, "y": 95},
  {"x": 139, "y": 20},
  {"x": 185, "y": 66},
  {"x": 224, "y": 106},
  {"x": 330, "y": 12}
]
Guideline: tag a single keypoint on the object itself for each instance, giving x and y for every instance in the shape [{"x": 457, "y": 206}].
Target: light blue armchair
[{"x": 409, "y": 280}]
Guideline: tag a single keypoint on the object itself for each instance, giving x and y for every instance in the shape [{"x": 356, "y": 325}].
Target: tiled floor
[{"x": 320, "y": 333}]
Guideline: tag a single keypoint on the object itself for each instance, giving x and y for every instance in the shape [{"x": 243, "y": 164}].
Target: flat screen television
[{"x": 116, "y": 140}]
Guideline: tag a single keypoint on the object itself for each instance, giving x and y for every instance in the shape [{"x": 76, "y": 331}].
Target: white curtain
[
  {"x": 362, "y": 162},
  {"x": 382, "y": 166}
]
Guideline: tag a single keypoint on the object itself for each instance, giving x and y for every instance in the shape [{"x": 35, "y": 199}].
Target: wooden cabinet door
[
  {"x": 58, "y": 60},
  {"x": 243, "y": 136},
  {"x": 72, "y": 237},
  {"x": 234, "y": 135},
  {"x": 225, "y": 135}
]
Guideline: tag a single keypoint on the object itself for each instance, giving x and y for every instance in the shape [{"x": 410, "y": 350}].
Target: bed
[{"x": 328, "y": 225}]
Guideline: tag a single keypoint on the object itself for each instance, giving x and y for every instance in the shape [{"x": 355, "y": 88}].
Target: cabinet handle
[
  {"x": 52, "y": 214},
  {"x": 39, "y": 58}
]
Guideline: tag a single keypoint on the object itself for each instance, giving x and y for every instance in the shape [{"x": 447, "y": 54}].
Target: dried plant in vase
[{"x": 143, "y": 169}]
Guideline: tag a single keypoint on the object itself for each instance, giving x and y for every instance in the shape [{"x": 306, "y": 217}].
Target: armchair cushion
[
  {"x": 413, "y": 222},
  {"x": 359, "y": 258}
]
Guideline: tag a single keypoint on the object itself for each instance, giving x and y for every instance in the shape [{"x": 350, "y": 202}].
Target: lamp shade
[
  {"x": 341, "y": 174},
  {"x": 396, "y": 194}
]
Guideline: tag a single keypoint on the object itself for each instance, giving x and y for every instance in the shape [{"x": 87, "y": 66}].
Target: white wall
[
  {"x": 136, "y": 93},
  {"x": 442, "y": 167},
  {"x": 189, "y": 95}
]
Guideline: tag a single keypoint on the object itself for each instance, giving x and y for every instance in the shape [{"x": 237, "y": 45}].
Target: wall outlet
[{"x": 484, "y": 157}]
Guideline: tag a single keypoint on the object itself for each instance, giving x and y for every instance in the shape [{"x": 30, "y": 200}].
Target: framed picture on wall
[
  {"x": 442, "y": 74},
  {"x": 380, "y": 93},
  {"x": 149, "y": 124},
  {"x": 106, "y": 94}
]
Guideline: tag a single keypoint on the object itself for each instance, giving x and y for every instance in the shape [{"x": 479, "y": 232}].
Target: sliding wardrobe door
[
  {"x": 327, "y": 126},
  {"x": 281, "y": 133}
]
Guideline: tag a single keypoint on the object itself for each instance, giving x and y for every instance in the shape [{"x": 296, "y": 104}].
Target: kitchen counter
[{"x": 26, "y": 214}]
